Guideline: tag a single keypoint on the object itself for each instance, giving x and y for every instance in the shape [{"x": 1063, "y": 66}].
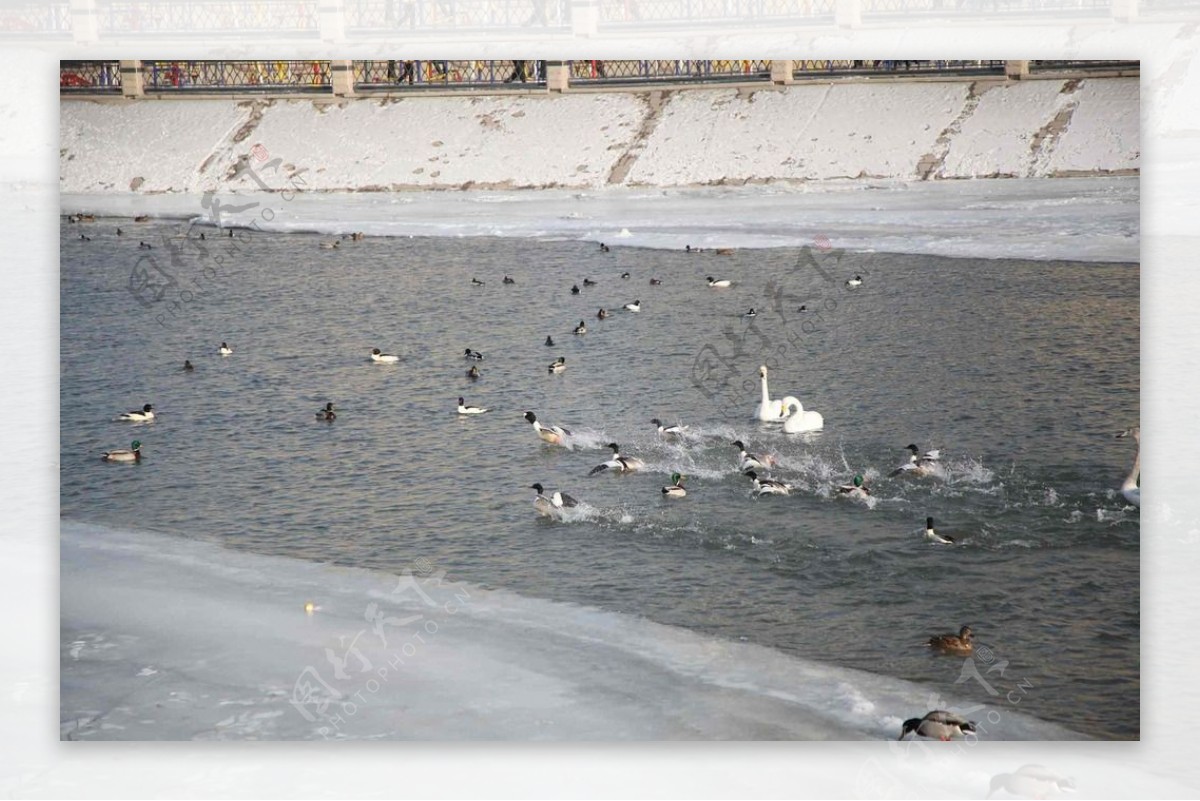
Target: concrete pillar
[
  {"x": 133, "y": 80},
  {"x": 85, "y": 25},
  {"x": 341, "y": 75},
  {"x": 332, "y": 16},
  {"x": 1016, "y": 70},
  {"x": 782, "y": 72},
  {"x": 558, "y": 76},
  {"x": 585, "y": 17},
  {"x": 1125, "y": 10},
  {"x": 848, "y": 13}
]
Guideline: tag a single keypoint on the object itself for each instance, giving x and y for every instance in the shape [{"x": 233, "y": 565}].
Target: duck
[
  {"x": 855, "y": 281},
  {"x": 555, "y": 435},
  {"x": 188, "y": 366},
  {"x": 800, "y": 421},
  {"x": 803, "y": 308},
  {"x": 934, "y": 537},
  {"x": 675, "y": 490},
  {"x": 552, "y": 505},
  {"x": 224, "y": 350},
  {"x": 625, "y": 276},
  {"x": 581, "y": 328},
  {"x": 957, "y": 644},
  {"x": 146, "y": 413},
  {"x": 765, "y": 486},
  {"x": 1030, "y": 781},
  {"x": 668, "y": 431},
  {"x": 358, "y": 236},
  {"x": 723, "y": 251},
  {"x": 618, "y": 463},
  {"x": 748, "y": 461},
  {"x": 327, "y": 413},
  {"x": 603, "y": 248},
  {"x": 918, "y": 464},
  {"x": 574, "y": 289},
  {"x": 476, "y": 282},
  {"x": 508, "y": 280},
  {"x": 938, "y": 725},
  {"x": 772, "y": 411},
  {"x": 558, "y": 365},
  {"x": 473, "y": 373},
  {"x": 549, "y": 342},
  {"x": 1131, "y": 487},
  {"x": 386, "y": 358},
  {"x": 751, "y": 313},
  {"x": 142, "y": 218},
  {"x": 120, "y": 232},
  {"x": 464, "y": 409},
  {"x": 329, "y": 245},
  {"x": 655, "y": 282},
  {"x": 588, "y": 282},
  {"x": 473, "y": 354},
  {"x": 601, "y": 315},
  {"x": 144, "y": 246},
  {"x": 85, "y": 237},
  {"x": 856, "y": 489},
  {"x": 636, "y": 306},
  {"x": 718, "y": 284},
  {"x": 134, "y": 454}
]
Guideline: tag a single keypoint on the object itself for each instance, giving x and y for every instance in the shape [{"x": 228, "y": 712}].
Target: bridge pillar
[
  {"x": 782, "y": 72},
  {"x": 341, "y": 76},
  {"x": 133, "y": 80}
]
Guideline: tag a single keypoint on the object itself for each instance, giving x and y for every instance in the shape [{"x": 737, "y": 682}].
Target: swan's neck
[
  {"x": 1131, "y": 480},
  {"x": 766, "y": 398}
]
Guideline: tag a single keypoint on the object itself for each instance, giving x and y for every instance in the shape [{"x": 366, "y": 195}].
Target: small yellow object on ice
[{"x": 309, "y": 607}]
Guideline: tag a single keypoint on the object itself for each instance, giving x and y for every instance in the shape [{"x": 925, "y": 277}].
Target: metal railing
[
  {"x": 1083, "y": 66},
  {"x": 365, "y": 16},
  {"x": 203, "y": 76},
  {"x": 387, "y": 75},
  {"x": 641, "y": 12},
  {"x": 817, "y": 68},
  {"x": 207, "y": 17},
  {"x": 89, "y": 76},
  {"x": 666, "y": 70},
  {"x": 36, "y": 19}
]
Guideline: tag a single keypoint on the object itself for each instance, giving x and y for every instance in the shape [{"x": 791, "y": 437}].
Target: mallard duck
[
  {"x": 675, "y": 490},
  {"x": 474, "y": 355},
  {"x": 938, "y": 725},
  {"x": 558, "y": 365},
  {"x": 857, "y": 489},
  {"x": 958, "y": 644},
  {"x": 134, "y": 454}
]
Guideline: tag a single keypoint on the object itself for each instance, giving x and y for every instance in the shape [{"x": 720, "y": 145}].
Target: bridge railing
[
  {"x": 90, "y": 77},
  {"x": 397, "y": 74},
  {"x": 666, "y": 70},
  {"x": 242, "y": 76}
]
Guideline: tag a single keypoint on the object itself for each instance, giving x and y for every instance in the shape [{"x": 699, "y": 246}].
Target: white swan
[
  {"x": 772, "y": 411},
  {"x": 799, "y": 420},
  {"x": 1130, "y": 487}
]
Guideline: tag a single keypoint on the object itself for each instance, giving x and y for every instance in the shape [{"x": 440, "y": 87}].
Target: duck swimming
[
  {"x": 748, "y": 461},
  {"x": 464, "y": 409},
  {"x": 476, "y": 282},
  {"x": 574, "y": 289},
  {"x": 603, "y": 248},
  {"x": 1131, "y": 487},
  {"x": 473, "y": 354},
  {"x": 765, "y": 486},
  {"x": 147, "y": 413},
  {"x": 558, "y": 365},
  {"x": 588, "y": 282},
  {"x": 224, "y": 350},
  {"x": 618, "y": 463},
  {"x": 655, "y": 282},
  {"x": 385, "y": 358},
  {"x": 601, "y": 315},
  {"x": 581, "y": 328},
  {"x": 636, "y": 306},
  {"x": 134, "y": 454},
  {"x": 473, "y": 373},
  {"x": 508, "y": 280},
  {"x": 555, "y": 435},
  {"x": 718, "y": 284},
  {"x": 668, "y": 431},
  {"x": 751, "y": 313},
  {"x": 549, "y": 342},
  {"x": 938, "y": 725},
  {"x": 327, "y": 412},
  {"x": 956, "y": 644},
  {"x": 918, "y": 464},
  {"x": 625, "y": 276},
  {"x": 553, "y": 505},
  {"x": 855, "y": 490},
  {"x": 188, "y": 366},
  {"x": 934, "y": 537},
  {"x": 855, "y": 281},
  {"x": 329, "y": 245},
  {"x": 675, "y": 490}
]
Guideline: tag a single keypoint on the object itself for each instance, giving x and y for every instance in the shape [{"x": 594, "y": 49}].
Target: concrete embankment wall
[{"x": 668, "y": 138}]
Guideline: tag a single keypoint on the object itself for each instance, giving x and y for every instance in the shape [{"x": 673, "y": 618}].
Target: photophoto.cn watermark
[{"x": 195, "y": 263}]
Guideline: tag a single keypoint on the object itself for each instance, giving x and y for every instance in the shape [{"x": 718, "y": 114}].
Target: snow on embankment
[{"x": 810, "y": 132}]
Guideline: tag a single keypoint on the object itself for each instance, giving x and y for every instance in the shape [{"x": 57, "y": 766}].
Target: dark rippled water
[{"x": 1020, "y": 372}]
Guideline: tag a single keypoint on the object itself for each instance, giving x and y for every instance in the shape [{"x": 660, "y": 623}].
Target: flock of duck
[{"x": 787, "y": 410}]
